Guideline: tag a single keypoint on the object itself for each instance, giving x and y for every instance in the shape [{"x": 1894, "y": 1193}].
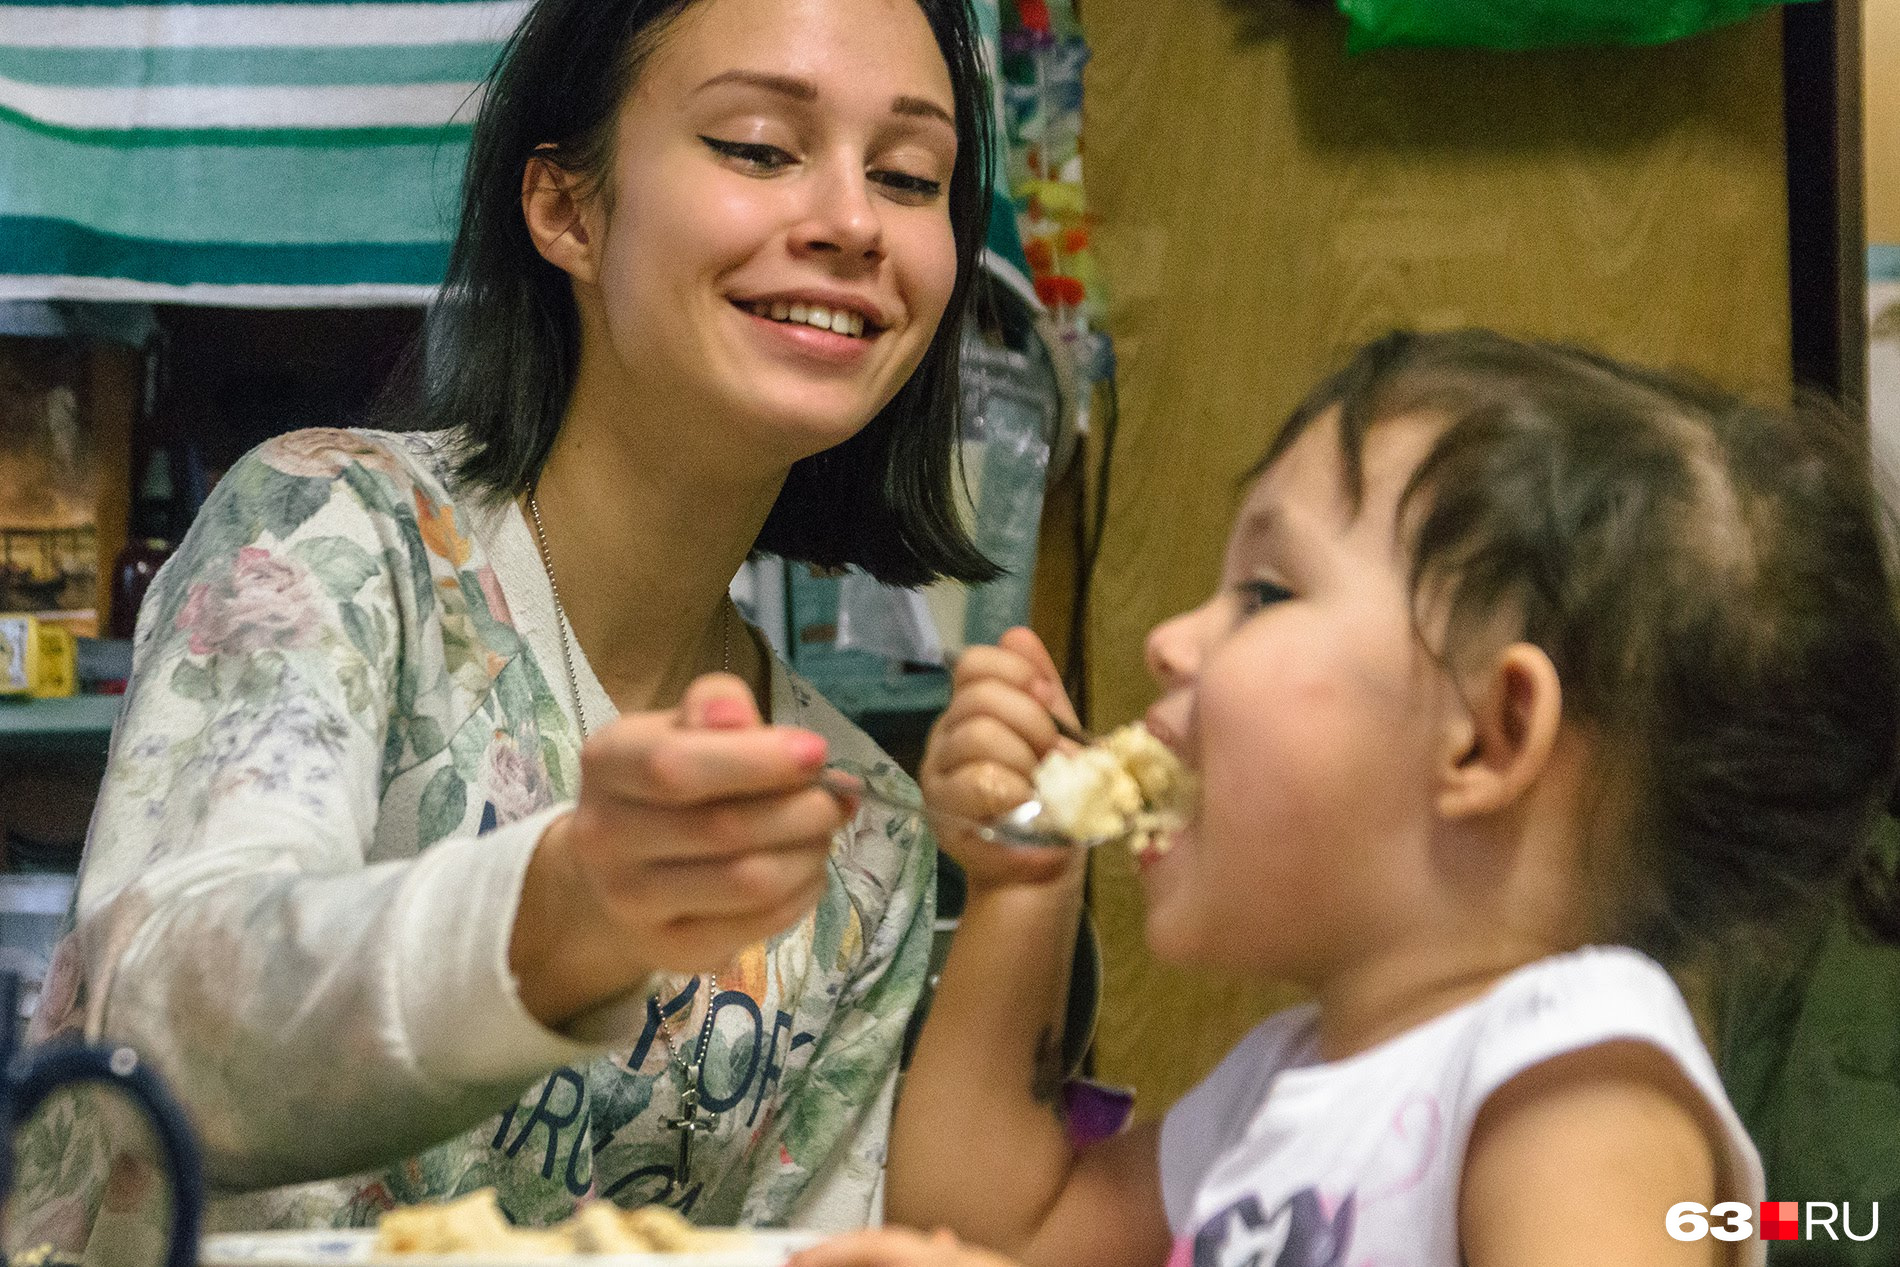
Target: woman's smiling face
[{"x": 777, "y": 243}]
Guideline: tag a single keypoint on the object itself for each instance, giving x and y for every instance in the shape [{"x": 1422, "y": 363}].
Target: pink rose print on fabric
[
  {"x": 517, "y": 781},
  {"x": 265, "y": 603},
  {"x": 491, "y": 590}
]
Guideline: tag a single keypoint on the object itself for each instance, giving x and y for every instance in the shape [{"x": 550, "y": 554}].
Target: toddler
[{"x": 1529, "y": 674}]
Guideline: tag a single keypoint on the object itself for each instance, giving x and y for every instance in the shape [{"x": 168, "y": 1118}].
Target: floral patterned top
[{"x": 348, "y": 726}]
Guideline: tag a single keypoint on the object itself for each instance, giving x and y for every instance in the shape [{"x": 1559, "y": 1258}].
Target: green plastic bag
[{"x": 1522, "y": 24}]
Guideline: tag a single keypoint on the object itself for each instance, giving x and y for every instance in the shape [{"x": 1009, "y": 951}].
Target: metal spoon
[
  {"x": 1015, "y": 829},
  {"x": 1075, "y": 733}
]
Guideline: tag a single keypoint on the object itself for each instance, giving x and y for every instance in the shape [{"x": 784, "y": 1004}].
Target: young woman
[{"x": 457, "y": 832}]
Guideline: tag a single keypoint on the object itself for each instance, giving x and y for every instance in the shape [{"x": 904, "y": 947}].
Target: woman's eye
[
  {"x": 750, "y": 154},
  {"x": 909, "y": 187},
  {"x": 1255, "y": 595}
]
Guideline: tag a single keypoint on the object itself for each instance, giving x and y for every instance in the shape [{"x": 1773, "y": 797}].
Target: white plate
[{"x": 353, "y": 1248}]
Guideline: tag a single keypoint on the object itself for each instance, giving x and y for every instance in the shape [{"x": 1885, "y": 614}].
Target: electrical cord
[{"x": 1090, "y": 527}]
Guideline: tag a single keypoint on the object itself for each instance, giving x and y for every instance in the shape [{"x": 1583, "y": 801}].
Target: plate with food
[{"x": 472, "y": 1231}]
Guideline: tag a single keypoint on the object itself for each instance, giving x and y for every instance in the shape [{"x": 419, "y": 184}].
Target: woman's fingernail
[{"x": 808, "y": 749}]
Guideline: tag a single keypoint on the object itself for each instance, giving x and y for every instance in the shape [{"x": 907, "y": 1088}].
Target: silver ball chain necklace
[{"x": 691, "y": 1120}]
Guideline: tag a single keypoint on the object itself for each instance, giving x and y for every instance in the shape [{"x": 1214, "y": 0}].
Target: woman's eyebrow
[
  {"x": 804, "y": 90},
  {"x": 784, "y": 85},
  {"x": 920, "y": 107}
]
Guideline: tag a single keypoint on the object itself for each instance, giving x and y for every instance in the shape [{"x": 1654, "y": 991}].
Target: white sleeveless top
[{"x": 1279, "y": 1160}]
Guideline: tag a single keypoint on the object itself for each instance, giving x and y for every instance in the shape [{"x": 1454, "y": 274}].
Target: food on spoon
[
  {"x": 1127, "y": 783},
  {"x": 474, "y": 1224}
]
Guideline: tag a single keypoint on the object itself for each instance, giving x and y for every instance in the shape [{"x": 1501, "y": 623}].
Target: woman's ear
[
  {"x": 557, "y": 219},
  {"x": 1503, "y": 742}
]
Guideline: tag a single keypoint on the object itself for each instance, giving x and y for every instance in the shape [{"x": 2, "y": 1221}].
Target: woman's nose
[{"x": 841, "y": 218}]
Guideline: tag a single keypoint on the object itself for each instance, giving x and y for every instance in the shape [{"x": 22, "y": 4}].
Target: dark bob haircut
[
  {"x": 504, "y": 334},
  {"x": 1714, "y": 583}
]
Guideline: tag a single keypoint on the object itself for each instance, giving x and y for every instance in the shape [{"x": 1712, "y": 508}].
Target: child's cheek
[{"x": 1174, "y": 935}]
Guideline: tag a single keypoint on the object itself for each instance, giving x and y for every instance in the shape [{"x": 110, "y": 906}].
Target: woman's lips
[{"x": 809, "y": 341}]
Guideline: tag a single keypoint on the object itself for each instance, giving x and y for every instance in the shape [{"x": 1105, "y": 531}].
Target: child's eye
[
  {"x": 908, "y": 187},
  {"x": 1257, "y": 594},
  {"x": 751, "y": 155}
]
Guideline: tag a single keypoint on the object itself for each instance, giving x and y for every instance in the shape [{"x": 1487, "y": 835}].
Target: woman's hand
[
  {"x": 698, "y": 832},
  {"x": 895, "y": 1247},
  {"x": 981, "y": 759}
]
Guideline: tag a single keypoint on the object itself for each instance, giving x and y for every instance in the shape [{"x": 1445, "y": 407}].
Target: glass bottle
[{"x": 148, "y": 544}]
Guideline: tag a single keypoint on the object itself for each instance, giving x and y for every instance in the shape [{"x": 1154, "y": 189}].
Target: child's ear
[
  {"x": 1502, "y": 743},
  {"x": 557, "y": 219}
]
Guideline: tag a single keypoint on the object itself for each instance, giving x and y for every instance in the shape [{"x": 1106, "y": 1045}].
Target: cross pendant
[{"x": 689, "y": 1123}]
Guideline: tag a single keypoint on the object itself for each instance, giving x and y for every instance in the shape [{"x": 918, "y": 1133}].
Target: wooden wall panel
[
  {"x": 1880, "y": 70},
  {"x": 1267, "y": 203}
]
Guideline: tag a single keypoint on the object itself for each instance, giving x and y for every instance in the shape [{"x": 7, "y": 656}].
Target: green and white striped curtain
[
  {"x": 298, "y": 153},
  {"x": 289, "y": 154}
]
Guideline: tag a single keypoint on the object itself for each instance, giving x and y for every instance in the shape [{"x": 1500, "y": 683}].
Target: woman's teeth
[{"x": 837, "y": 320}]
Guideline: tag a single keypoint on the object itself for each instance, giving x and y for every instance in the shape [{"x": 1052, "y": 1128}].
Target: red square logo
[{"x": 1781, "y": 1220}]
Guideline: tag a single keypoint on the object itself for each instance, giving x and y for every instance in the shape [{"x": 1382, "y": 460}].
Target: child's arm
[
  {"x": 978, "y": 1144},
  {"x": 1576, "y": 1162},
  {"x": 1108, "y": 1214},
  {"x": 897, "y": 1247}
]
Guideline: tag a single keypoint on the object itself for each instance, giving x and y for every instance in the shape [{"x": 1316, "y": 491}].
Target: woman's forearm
[
  {"x": 979, "y": 1145},
  {"x": 318, "y": 1024}
]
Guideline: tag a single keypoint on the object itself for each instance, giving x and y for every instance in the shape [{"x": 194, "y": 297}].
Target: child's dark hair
[
  {"x": 1713, "y": 583},
  {"x": 504, "y": 334}
]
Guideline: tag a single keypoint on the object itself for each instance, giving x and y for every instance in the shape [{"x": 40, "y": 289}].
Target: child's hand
[
  {"x": 981, "y": 758},
  {"x": 895, "y": 1247}
]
